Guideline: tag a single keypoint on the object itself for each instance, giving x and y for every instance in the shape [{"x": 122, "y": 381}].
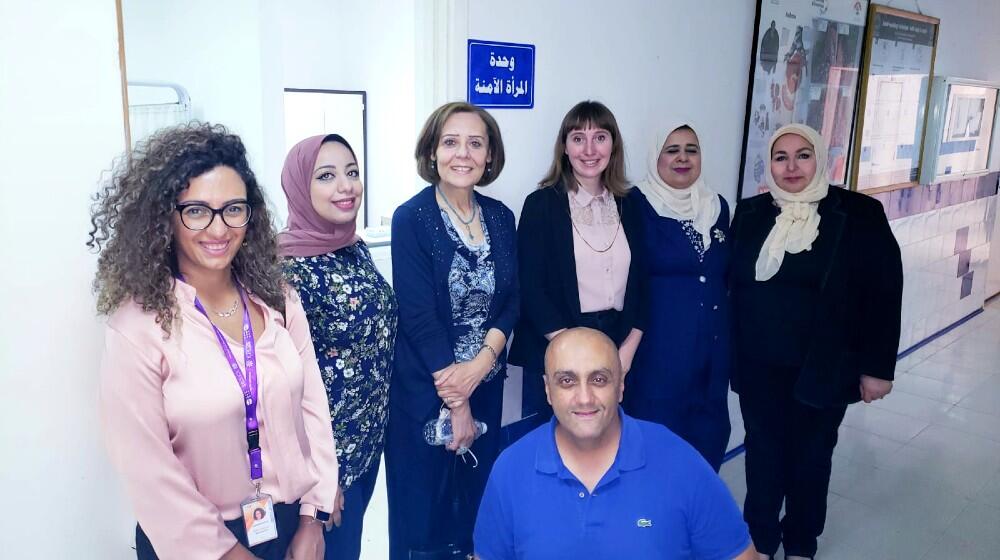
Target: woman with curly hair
[{"x": 210, "y": 397}]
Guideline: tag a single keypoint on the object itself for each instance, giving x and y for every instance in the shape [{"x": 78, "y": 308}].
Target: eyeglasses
[{"x": 197, "y": 216}]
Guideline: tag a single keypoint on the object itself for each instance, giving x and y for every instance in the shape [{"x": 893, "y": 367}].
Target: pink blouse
[
  {"x": 601, "y": 276},
  {"x": 173, "y": 420}
]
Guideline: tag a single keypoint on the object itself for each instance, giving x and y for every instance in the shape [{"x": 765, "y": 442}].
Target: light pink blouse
[
  {"x": 601, "y": 276},
  {"x": 173, "y": 419}
]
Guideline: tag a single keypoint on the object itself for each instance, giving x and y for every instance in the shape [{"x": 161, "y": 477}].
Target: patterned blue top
[
  {"x": 352, "y": 317},
  {"x": 471, "y": 285}
]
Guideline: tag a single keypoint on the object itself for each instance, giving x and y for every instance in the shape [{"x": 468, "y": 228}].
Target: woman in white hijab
[
  {"x": 816, "y": 287},
  {"x": 680, "y": 375}
]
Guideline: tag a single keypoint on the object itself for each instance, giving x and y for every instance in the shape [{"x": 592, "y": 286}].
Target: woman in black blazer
[
  {"x": 579, "y": 249},
  {"x": 816, "y": 287}
]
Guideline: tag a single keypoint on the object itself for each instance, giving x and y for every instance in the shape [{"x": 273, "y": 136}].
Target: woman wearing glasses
[
  {"x": 210, "y": 397},
  {"x": 352, "y": 317}
]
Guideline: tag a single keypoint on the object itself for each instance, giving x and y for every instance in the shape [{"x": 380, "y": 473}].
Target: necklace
[
  {"x": 618, "y": 227},
  {"x": 467, "y": 224},
  {"x": 229, "y": 312}
]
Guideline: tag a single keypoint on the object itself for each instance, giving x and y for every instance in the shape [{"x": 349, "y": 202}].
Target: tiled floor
[{"x": 915, "y": 476}]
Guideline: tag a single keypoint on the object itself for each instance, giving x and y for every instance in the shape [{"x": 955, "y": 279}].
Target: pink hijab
[{"x": 308, "y": 234}]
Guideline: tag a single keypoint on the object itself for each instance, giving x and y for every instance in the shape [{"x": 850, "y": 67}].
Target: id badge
[{"x": 258, "y": 519}]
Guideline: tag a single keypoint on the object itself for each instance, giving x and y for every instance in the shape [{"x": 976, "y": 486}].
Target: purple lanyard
[{"x": 248, "y": 383}]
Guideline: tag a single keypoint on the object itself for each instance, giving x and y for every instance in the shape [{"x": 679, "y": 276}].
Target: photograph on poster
[
  {"x": 806, "y": 60},
  {"x": 898, "y": 66},
  {"x": 964, "y": 146}
]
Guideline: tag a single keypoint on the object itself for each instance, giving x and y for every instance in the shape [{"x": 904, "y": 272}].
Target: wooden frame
[
  {"x": 882, "y": 19},
  {"x": 124, "y": 76}
]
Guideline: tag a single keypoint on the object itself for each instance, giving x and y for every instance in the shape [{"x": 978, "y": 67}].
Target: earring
[
  {"x": 433, "y": 164},
  {"x": 244, "y": 243}
]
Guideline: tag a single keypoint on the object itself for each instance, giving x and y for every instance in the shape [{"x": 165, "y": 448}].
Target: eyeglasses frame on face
[{"x": 180, "y": 207}]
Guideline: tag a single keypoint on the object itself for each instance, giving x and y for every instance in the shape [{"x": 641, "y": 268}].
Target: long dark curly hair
[{"x": 131, "y": 221}]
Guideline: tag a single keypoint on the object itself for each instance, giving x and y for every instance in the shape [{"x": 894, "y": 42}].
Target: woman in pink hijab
[{"x": 352, "y": 317}]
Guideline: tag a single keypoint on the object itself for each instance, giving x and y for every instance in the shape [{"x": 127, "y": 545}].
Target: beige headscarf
[
  {"x": 697, "y": 203},
  {"x": 797, "y": 226}
]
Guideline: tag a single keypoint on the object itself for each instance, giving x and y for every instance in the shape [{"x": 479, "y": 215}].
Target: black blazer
[
  {"x": 857, "y": 320},
  {"x": 550, "y": 295}
]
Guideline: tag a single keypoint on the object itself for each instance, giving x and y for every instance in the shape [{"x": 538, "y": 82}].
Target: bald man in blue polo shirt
[{"x": 596, "y": 483}]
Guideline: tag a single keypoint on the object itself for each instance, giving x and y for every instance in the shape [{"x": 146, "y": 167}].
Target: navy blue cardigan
[{"x": 422, "y": 252}]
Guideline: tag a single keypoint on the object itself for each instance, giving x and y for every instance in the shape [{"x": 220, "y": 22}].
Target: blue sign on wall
[{"x": 501, "y": 75}]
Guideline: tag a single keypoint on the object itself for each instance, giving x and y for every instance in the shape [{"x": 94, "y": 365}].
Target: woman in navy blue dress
[
  {"x": 454, "y": 268},
  {"x": 680, "y": 376}
]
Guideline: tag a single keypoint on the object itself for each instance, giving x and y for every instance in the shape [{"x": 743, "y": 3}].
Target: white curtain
[
  {"x": 144, "y": 120},
  {"x": 149, "y": 112}
]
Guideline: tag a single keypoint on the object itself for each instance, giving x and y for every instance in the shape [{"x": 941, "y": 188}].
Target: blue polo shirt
[{"x": 659, "y": 500}]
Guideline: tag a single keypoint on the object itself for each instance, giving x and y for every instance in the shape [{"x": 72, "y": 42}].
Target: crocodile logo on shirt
[{"x": 643, "y": 522}]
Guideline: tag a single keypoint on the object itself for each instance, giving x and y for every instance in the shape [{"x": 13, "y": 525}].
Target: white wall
[
  {"x": 347, "y": 45},
  {"x": 653, "y": 59},
  {"x": 61, "y": 123},
  {"x": 60, "y": 116},
  {"x": 216, "y": 60},
  {"x": 647, "y": 60},
  {"x": 213, "y": 49},
  {"x": 239, "y": 58}
]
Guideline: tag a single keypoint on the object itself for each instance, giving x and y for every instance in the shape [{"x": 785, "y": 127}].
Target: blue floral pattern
[
  {"x": 471, "y": 282},
  {"x": 352, "y": 317}
]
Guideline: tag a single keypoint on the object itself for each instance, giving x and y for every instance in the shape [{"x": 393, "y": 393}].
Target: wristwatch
[{"x": 312, "y": 511}]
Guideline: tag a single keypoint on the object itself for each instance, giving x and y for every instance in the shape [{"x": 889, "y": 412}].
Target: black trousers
[
  {"x": 286, "y": 516},
  {"x": 434, "y": 494},
  {"x": 789, "y": 448}
]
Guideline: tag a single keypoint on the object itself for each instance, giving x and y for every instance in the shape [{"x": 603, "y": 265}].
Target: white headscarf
[
  {"x": 697, "y": 203},
  {"x": 797, "y": 226}
]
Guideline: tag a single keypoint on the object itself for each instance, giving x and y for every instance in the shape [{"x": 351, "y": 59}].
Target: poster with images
[
  {"x": 899, "y": 63},
  {"x": 805, "y": 69}
]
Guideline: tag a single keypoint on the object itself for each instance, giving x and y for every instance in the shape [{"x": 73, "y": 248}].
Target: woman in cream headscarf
[
  {"x": 816, "y": 286},
  {"x": 681, "y": 371}
]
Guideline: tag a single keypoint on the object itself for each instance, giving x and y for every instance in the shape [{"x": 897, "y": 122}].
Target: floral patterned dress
[
  {"x": 352, "y": 317},
  {"x": 471, "y": 282}
]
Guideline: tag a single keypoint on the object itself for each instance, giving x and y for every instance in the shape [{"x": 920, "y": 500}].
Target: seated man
[{"x": 595, "y": 483}]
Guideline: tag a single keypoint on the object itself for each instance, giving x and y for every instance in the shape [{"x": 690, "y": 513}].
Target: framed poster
[
  {"x": 804, "y": 68},
  {"x": 895, "y": 84},
  {"x": 959, "y": 129}
]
